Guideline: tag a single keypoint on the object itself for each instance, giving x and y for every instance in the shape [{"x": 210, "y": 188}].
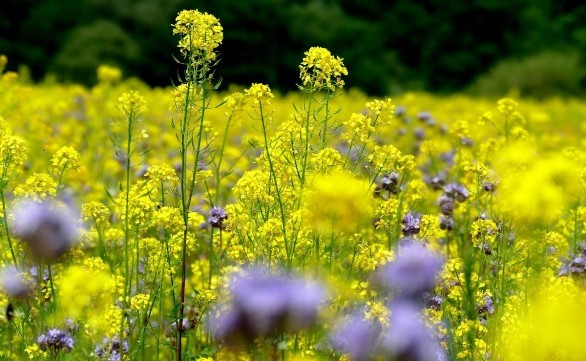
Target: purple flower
[
  {"x": 48, "y": 229},
  {"x": 407, "y": 338},
  {"x": 456, "y": 191},
  {"x": 390, "y": 182},
  {"x": 14, "y": 283},
  {"x": 436, "y": 182},
  {"x": 400, "y": 110},
  {"x": 111, "y": 349},
  {"x": 424, "y": 116},
  {"x": 265, "y": 305},
  {"x": 446, "y": 205},
  {"x": 217, "y": 217},
  {"x": 446, "y": 223},
  {"x": 411, "y": 224},
  {"x": 412, "y": 273},
  {"x": 357, "y": 337},
  {"x": 55, "y": 340}
]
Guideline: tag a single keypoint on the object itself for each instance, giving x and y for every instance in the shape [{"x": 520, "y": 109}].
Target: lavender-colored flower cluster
[
  {"x": 576, "y": 265},
  {"x": 111, "y": 349},
  {"x": 55, "y": 341},
  {"x": 264, "y": 305},
  {"x": 14, "y": 282},
  {"x": 217, "y": 217},
  {"x": 411, "y": 276},
  {"x": 48, "y": 230},
  {"x": 411, "y": 224},
  {"x": 412, "y": 273}
]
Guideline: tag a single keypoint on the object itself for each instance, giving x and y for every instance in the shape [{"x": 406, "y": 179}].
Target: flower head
[
  {"x": 15, "y": 282},
  {"x": 412, "y": 273},
  {"x": 49, "y": 230},
  {"x": 55, "y": 340},
  {"x": 264, "y": 305},
  {"x": 319, "y": 69},
  {"x": 411, "y": 224},
  {"x": 217, "y": 217},
  {"x": 201, "y": 33}
]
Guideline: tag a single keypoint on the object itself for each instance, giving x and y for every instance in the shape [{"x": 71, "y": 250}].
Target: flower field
[{"x": 187, "y": 223}]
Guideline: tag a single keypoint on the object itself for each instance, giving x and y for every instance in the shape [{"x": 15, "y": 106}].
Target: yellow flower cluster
[
  {"x": 320, "y": 69},
  {"x": 259, "y": 94},
  {"x": 108, "y": 74},
  {"x": 38, "y": 186},
  {"x": 132, "y": 103},
  {"x": 66, "y": 158},
  {"x": 201, "y": 33}
]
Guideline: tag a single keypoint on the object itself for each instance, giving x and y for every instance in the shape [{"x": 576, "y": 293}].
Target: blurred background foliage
[{"x": 487, "y": 47}]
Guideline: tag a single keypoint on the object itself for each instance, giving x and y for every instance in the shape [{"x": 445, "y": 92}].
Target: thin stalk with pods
[
  {"x": 132, "y": 105},
  {"x": 3, "y": 183},
  {"x": 195, "y": 98}
]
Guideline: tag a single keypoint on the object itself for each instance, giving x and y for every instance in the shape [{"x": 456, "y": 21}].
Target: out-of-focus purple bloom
[
  {"x": 448, "y": 157},
  {"x": 411, "y": 224},
  {"x": 467, "y": 142},
  {"x": 446, "y": 205},
  {"x": 407, "y": 338},
  {"x": 111, "y": 348},
  {"x": 55, "y": 340},
  {"x": 412, "y": 273},
  {"x": 400, "y": 110},
  {"x": 265, "y": 305},
  {"x": 435, "y": 182},
  {"x": 357, "y": 337},
  {"x": 487, "y": 307},
  {"x": 49, "y": 230},
  {"x": 424, "y": 116},
  {"x": 217, "y": 217},
  {"x": 576, "y": 265},
  {"x": 15, "y": 283},
  {"x": 446, "y": 223},
  {"x": 456, "y": 191},
  {"x": 419, "y": 133}
]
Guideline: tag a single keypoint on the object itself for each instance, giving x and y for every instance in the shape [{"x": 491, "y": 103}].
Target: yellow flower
[
  {"x": 108, "y": 74},
  {"x": 338, "y": 201},
  {"x": 132, "y": 103},
  {"x": 140, "y": 302},
  {"x": 319, "y": 69},
  {"x": 259, "y": 94},
  {"x": 66, "y": 158},
  {"x": 201, "y": 34},
  {"x": 37, "y": 186}
]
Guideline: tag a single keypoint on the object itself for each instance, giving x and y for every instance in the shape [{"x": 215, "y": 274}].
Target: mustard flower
[
  {"x": 66, "y": 158},
  {"x": 340, "y": 200},
  {"x": 108, "y": 74},
  {"x": 388, "y": 158},
  {"x": 201, "y": 33},
  {"x": 259, "y": 94},
  {"x": 12, "y": 151},
  {"x": 94, "y": 211},
  {"x": 132, "y": 103},
  {"x": 140, "y": 302},
  {"x": 37, "y": 187},
  {"x": 320, "y": 69},
  {"x": 357, "y": 128}
]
